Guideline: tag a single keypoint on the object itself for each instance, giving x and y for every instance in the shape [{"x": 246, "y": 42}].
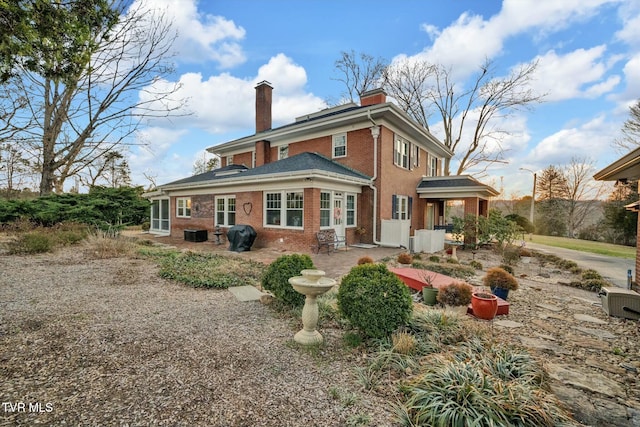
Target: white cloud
[
  {"x": 466, "y": 43},
  {"x": 201, "y": 37},
  {"x": 630, "y": 33},
  {"x": 224, "y": 103},
  {"x": 577, "y": 74},
  {"x": 592, "y": 139}
]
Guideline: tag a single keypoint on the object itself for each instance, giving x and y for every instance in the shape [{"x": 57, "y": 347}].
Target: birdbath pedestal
[{"x": 312, "y": 283}]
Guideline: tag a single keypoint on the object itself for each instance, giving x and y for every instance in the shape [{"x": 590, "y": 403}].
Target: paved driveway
[{"x": 612, "y": 268}]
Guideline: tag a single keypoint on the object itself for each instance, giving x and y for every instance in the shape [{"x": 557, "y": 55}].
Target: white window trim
[
  {"x": 229, "y": 160},
  {"x": 334, "y": 146},
  {"x": 281, "y": 149},
  {"x": 433, "y": 166},
  {"x": 401, "y": 155},
  {"x": 415, "y": 156},
  {"x": 330, "y": 193},
  {"x": 283, "y": 210},
  {"x": 164, "y": 217},
  {"x": 186, "y": 206},
  {"x": 355, "y": 210},
  {"x": 343, "y": 196},
  {"x": 226, "y": 210}
]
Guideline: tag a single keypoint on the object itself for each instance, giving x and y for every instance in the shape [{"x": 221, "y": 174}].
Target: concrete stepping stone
[
  {"x": 542, "y": 345},
  {"x": 245, "y": 293},
  {"x": 508, "y": 324},
  {"x": 589, "y": 319},
  {"x": 550, "y": 307},
  {"x": 593, "y": 382},
  {"x": 596, "y": 332}
]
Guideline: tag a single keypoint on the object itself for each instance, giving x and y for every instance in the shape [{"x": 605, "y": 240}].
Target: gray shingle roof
[
  {"x": 299, "y": 163},
  {"x": 450, "y": 183}
]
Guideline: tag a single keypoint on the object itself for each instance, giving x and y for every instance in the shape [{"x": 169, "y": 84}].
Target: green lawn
[{"x": 585, "y": 246}]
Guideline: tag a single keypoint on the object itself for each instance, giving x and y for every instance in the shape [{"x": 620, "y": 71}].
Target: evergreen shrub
[
  {"x": 276, "y": 278},
  {"x": 374, "y": 300}
]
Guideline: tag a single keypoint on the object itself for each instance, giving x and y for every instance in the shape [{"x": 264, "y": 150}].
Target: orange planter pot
[{"x": 484, "y": 305}]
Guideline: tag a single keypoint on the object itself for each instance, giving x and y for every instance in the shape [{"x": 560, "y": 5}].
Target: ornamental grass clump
[
  {"x": 276, "y": 278},
  {"x": 374, "y": 300},
  {"x": 497, "y": 277},
  {"x": 455, "y": 294},
  {"x": 404, "y": 258}
]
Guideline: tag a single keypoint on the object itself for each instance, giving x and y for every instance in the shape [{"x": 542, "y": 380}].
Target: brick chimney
[
  {"x": 263, "y": 106},
  {"x": 372, "y": 97}
]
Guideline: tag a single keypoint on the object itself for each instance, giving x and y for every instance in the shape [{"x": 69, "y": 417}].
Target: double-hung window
[
  {"x": 284, "y": 209},
  {"x": 401, "y": 157},
  {"x": 183, "y": 207},
  {"x": 433, "y": 166},
  {"x": 351, "y": 210},
  {"x": 225, "y": 211},
  {"x": 325, "y": 209},
  {"x": 283, "y": 152},
  {"x": 339, "y": 145}
]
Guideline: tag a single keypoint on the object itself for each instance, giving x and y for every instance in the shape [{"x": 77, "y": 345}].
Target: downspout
[{"x": 375, "y": 133}]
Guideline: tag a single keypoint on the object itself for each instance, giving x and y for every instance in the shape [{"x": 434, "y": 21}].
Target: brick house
[
  {"x": 625, "y": 169},
  {"x": 368, "y": 171}
]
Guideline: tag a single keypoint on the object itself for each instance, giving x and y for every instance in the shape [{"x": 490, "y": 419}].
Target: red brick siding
[{"x": 398, "y": 181}]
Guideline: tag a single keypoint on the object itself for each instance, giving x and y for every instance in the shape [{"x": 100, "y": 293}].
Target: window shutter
[
  {"x": 410, "y": 207},
  {"x": 394, "y": 207}
]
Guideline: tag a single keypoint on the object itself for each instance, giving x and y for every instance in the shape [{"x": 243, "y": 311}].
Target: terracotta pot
[{"x": 484, "y": 305}]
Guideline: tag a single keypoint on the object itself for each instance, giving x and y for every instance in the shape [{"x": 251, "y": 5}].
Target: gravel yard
[
  {"x": 107, "y": 342},
  {"x": 87, "y": 341}
]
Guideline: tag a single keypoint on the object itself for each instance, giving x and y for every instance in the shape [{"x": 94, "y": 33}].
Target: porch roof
[
  {"x": 454, "y": 187},
  {"x": 625, "y": 168},
  {"x": 301, "y": 165}
]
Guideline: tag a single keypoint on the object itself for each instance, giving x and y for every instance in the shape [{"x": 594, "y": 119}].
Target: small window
[
  {"x": 183, "y": 207},
  {"x": 283, "y": 152},
  {"x": 351, "y": 210},
  {"x": 273, "y": 208},
  {"x": 401, "y": 157},
  {"x": 225, "y": 211},
  {"x": 415, "y": 160},
  {"x": 433, "y": 167},
  {"x": 325, "y": 209},
  {"x": 253, "y": 159},
  {"x": 340, "y": 145},
  {"x": 229, "y": 160}
]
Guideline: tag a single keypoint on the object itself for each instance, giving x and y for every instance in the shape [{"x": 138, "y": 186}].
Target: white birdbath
[{"x": 312, "y": 283}]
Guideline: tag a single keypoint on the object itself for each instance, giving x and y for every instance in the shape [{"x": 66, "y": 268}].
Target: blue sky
[{"x": 588, "y": 53}]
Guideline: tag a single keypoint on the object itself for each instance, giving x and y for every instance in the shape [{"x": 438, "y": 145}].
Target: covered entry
[{"x": 438, "y": 190}]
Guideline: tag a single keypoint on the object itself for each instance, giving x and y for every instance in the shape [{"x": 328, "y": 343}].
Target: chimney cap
[
  {"x": 263, "y": 83},
  {"x": 372, "y": 92}
]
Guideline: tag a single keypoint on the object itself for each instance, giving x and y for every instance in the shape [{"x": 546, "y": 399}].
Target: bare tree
[
  {"x": 582, "y": 192},
  {"x": 203, "y": 165},
  {"x": 94, "y": 105},
  {"x": 111, "y": 168},
  {"x": 470, "y": 114},
  {"x": 409, "y": 83},
  {"x": 13, "y": 167},
  {"x": 359, "y": 73},
  {"x": 630, "y": 130}
]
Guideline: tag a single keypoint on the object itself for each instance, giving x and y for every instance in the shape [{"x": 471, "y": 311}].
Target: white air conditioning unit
[{"x": 619, "y": 302}]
